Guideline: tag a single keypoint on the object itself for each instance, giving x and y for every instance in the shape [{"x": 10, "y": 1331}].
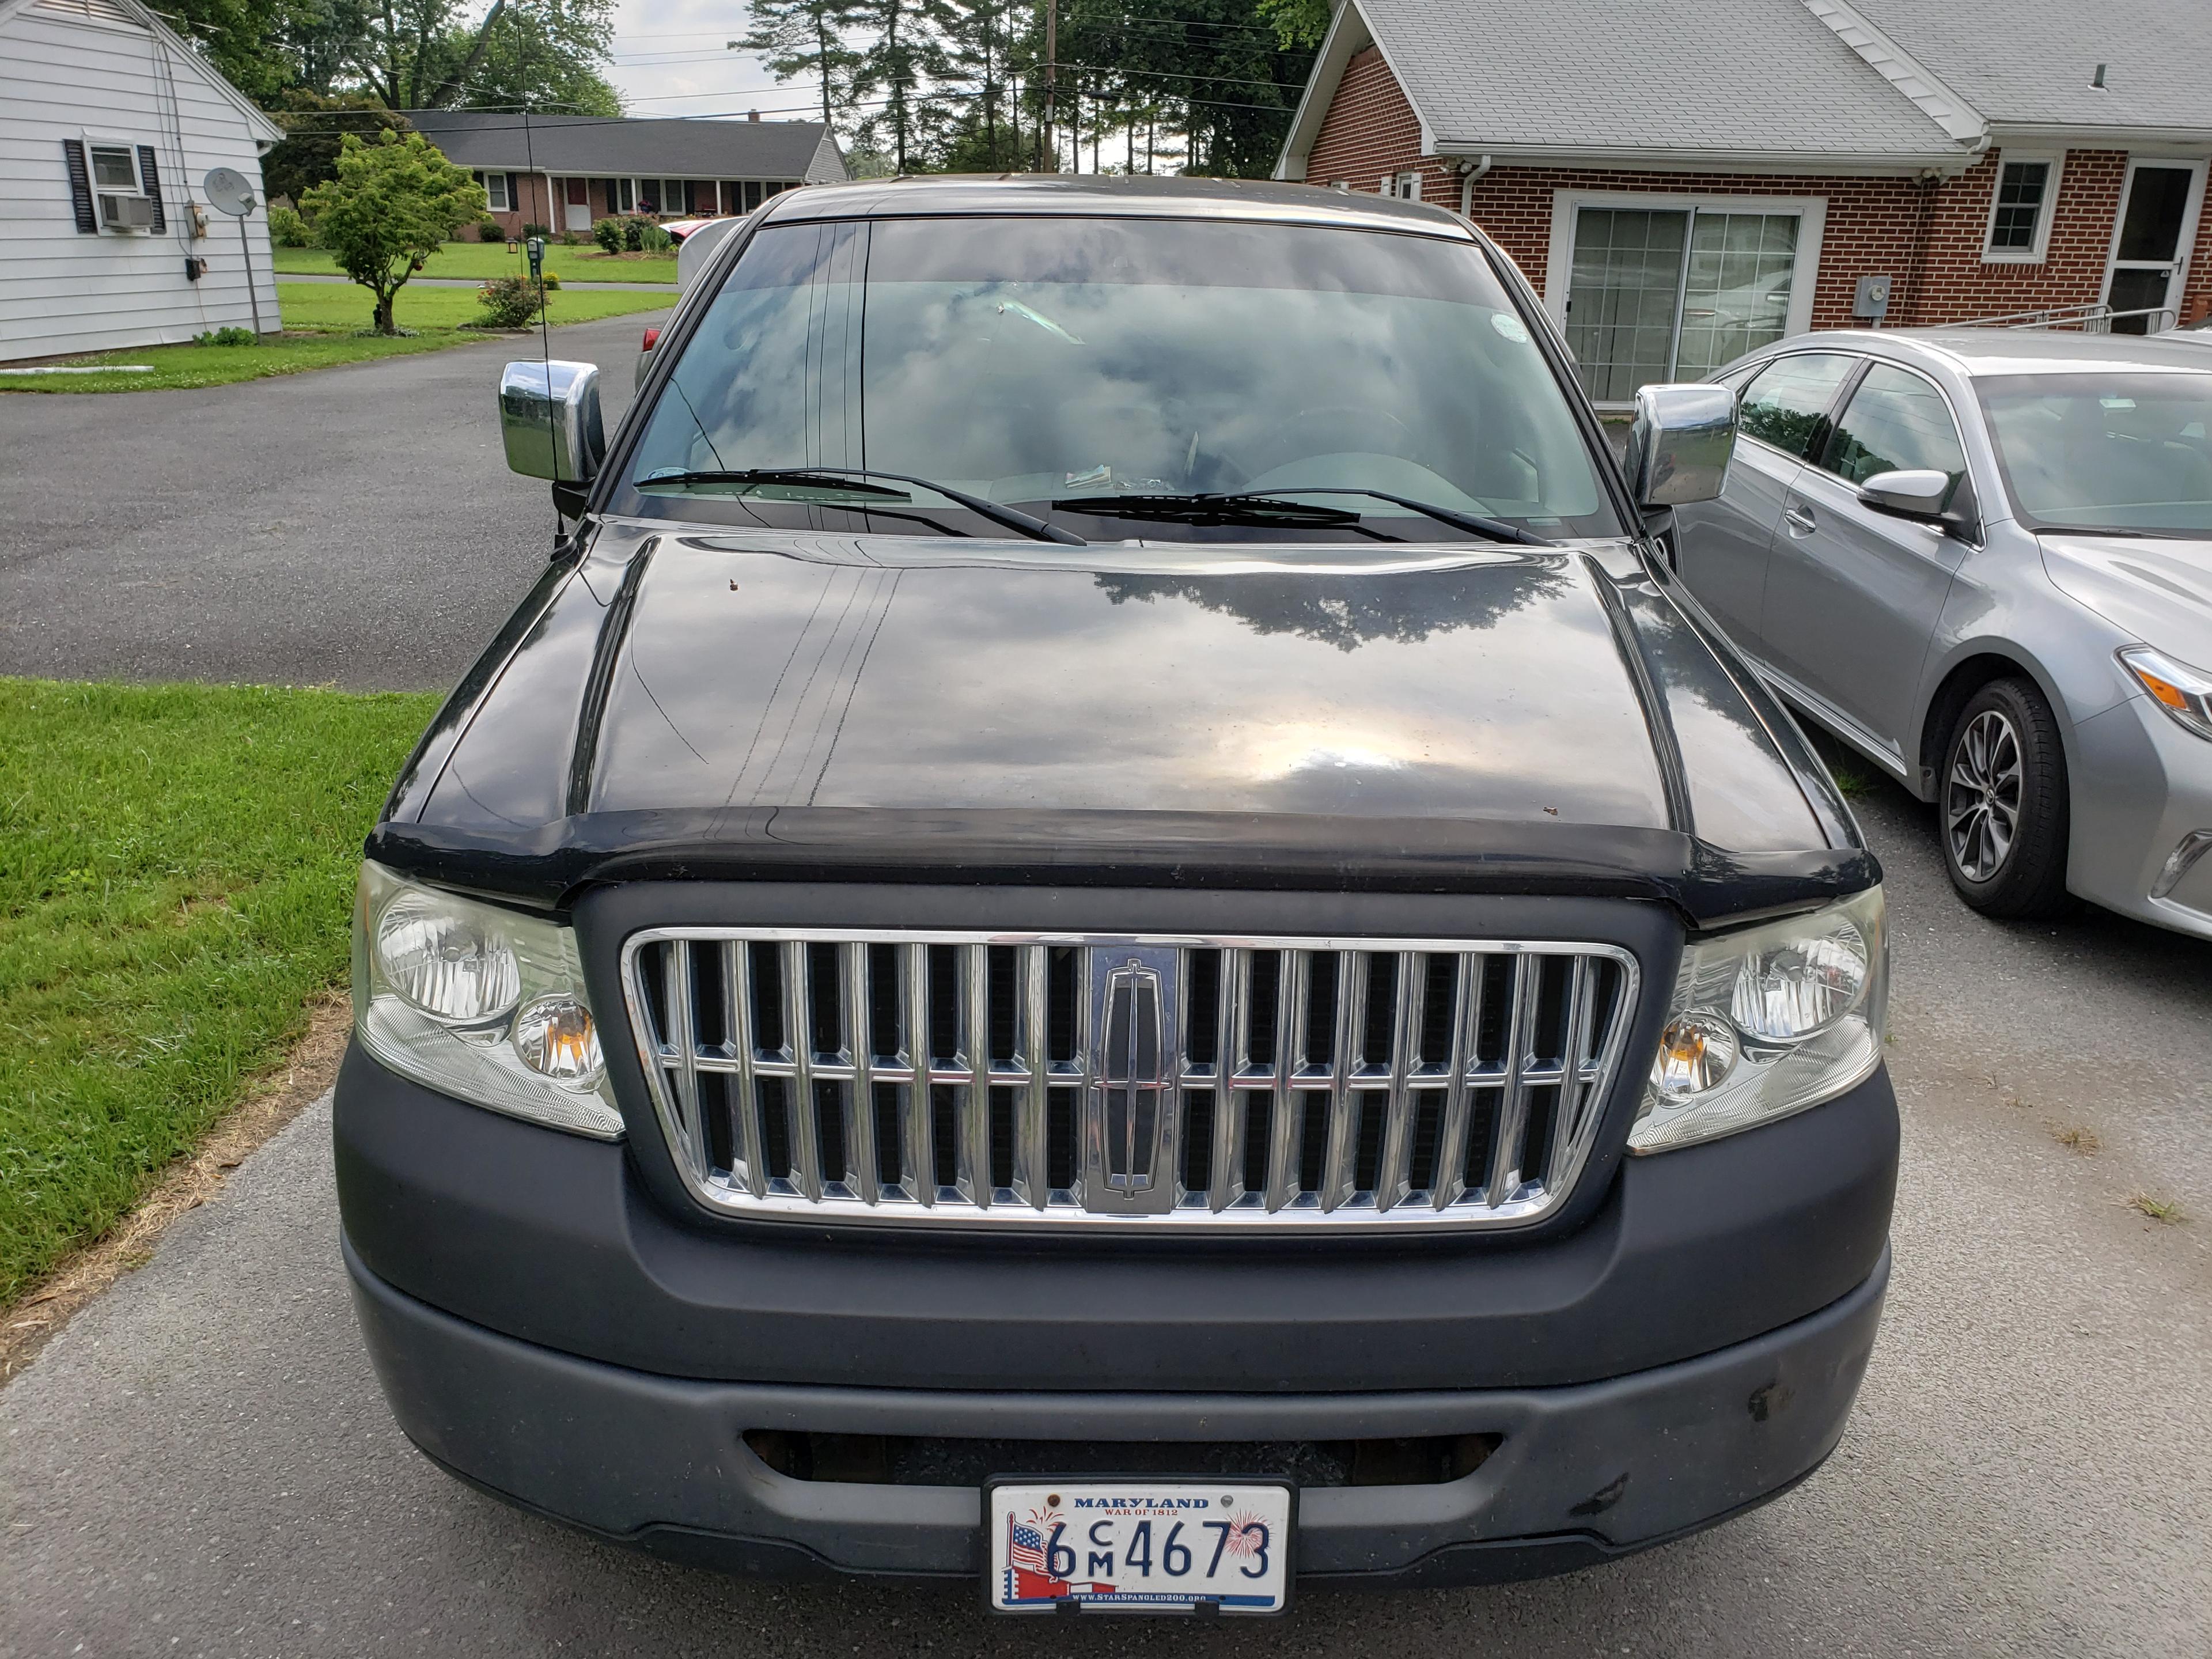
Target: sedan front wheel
[{"x": 2004, "y": 803}]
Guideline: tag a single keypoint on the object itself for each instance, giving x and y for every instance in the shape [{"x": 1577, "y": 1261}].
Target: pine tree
[{"x": 805, "y": 39}]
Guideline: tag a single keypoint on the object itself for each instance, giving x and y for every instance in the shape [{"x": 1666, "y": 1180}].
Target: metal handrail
[{"x": 2093, "y": 319}]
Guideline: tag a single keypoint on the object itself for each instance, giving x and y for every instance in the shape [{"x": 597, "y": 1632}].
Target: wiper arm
[
  {"x": 1008, "y": 518},
  {"x": 1497, "y": 529},
  {"x": 1274, "y": 508},
  {"x": 1206, "y": 510}
]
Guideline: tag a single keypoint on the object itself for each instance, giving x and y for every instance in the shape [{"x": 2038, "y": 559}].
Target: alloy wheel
[{"x": 1982, "y": 796}]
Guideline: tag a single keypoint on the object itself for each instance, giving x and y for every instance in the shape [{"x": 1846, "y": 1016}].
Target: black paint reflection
[{"x": 1348, "y": 612}]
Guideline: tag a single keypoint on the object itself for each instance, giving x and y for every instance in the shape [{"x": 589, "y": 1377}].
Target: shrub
[
  {"x": 491, "y": 231},
  {"x": 538, "y": 230},
  {"x": 654, "y": 239},
  {"x": 608, "y": 233},
  {"x": 393, "y": 204},
  {"x": 232, "y": 336},
  {"x": 551, "y": 279},
  {"x": 511, "y": 302},
  {"x": 288, "y": 229}
]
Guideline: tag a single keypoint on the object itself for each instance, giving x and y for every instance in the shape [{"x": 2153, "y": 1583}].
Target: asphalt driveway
[
  {"x": 201, "y": 1464},
  {"x": 353, "y": 527}
]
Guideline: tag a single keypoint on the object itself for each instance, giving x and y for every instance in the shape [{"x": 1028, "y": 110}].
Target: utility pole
[{"x": 1051, "y": 75}]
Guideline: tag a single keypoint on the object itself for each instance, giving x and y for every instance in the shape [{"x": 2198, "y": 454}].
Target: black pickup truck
[{"x": 1108, "y": 928}]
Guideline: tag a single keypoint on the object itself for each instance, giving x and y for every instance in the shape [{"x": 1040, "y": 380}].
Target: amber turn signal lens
[
  {"x": 555, "y": 1036},
  {"x": 1696, "y": 1052}
]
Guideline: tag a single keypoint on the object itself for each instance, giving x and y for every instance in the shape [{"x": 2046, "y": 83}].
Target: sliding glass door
[{"x": 1671, "y": 293}]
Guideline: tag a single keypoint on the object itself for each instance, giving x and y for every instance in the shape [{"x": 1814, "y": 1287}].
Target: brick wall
[{"x": 1928, "y": 237}]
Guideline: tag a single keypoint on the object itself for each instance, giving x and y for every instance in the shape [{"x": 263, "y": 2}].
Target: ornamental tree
[{"x": 392, "y": 205}]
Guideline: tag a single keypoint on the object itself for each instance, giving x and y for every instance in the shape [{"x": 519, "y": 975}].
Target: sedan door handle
[{"x": 1799, "y": 518}]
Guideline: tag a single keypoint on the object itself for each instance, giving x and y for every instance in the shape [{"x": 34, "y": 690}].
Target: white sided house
[{"x": 108, "y": 124}]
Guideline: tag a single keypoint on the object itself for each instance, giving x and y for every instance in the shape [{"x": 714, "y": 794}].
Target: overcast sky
[{"x": 670, "y": 60}]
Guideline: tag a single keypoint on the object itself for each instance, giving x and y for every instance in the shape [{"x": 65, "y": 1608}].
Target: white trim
[
  {"x": 2177, "y": 285},
  {"x": 1914, "y": 79},
  {"x": 1949, "y": 163},
  {"x": 2054, "y": 162}
]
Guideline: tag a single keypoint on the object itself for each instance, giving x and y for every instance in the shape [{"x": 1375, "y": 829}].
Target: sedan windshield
[
  {"x": 1050, "y": 363},
  {"x": 2111, "y": 454}
]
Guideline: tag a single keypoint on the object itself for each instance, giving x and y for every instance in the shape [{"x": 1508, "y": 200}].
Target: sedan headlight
[
  {"x": 480, "y": 1003},
  {"x": 2184, "y": 692},
  {"x": 1766, "y": 1022}
]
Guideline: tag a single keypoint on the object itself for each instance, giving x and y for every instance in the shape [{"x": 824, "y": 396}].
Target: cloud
[{"x": 670, "y": 60}]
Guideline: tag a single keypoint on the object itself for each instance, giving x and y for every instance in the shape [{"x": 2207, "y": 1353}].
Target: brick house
[
  {"x": 1685, "y": 183},
  {"x": 568, "y": 170}
]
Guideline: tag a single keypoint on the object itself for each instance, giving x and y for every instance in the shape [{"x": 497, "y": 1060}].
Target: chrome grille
[{"x": 943, "y": 1077}]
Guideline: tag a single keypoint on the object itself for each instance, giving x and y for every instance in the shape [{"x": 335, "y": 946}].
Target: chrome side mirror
[
  {"x": 549, "y": 418},
  {"x": 1912, "y": 492},
  {"x": 1678, "y": 448}
]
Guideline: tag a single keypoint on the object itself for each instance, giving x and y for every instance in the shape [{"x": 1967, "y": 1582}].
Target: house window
[
  {"x": 673, "y": 198},
  {"x": 1654, "y": 288},
  {"x": 1406, "y": 186},
  {"x": 115, "y": 169},
  {"x": 2019, "y": 213},
  {"x": 495, "y": 187}
]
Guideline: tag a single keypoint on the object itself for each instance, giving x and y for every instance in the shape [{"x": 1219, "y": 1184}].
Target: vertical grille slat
[
  {"x": 858, "y": 1043},
  {"x": 914, "y": 1053},
  {"x": 1033, "y": 1053},
  {"x": 1289, "y": 1047},
  {"x": 1394, "y": 1180},
  {"x": 1309, "y": 1082}
]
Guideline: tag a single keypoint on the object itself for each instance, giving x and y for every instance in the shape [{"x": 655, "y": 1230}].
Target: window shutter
[
  {"x": 514, "y": 195},
  {"x": 152, "y": 176},
  {"x": 80, "y": 177}
]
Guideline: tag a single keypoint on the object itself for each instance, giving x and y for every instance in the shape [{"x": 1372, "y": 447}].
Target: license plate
[{"x": 1138, "y": 1546}]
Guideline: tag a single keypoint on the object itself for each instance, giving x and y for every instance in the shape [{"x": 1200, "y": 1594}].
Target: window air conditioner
[{"x": 126, "y": 212}]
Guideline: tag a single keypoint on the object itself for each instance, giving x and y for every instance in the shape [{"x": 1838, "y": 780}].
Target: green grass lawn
[
  {"x": 322, "y": 322},
  {"x": 482, "y": 259},
  {"x": 330, "y": 305},
  {"x": 177, "y": 866}
]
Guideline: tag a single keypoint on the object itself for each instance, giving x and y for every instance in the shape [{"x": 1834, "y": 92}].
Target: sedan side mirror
[
  {"x": 1914, "y": 492},
  {"x": 549, "y": 418},
  {"x": 1678, "y": 448}
]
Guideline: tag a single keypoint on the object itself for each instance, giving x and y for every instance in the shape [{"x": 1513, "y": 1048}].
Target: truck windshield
[
  {"x": 2112, "y": 454},
  {"x": 1036, "y": 363}
]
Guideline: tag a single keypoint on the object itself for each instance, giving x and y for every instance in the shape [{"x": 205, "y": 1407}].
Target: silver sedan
[{"x": 1983, "y": 558}]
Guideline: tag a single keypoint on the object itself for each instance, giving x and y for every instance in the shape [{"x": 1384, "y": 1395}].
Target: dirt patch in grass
[{"x": 274, "y": 1099}]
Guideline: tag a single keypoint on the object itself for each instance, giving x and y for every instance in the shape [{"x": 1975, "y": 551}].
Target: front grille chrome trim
[{"x": 1479, "y": 1114}]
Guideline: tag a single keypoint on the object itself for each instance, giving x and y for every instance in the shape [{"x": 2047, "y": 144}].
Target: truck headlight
[
  {"x": 1766, "y": 1022},
  {"x": 483, "y": 1003}
]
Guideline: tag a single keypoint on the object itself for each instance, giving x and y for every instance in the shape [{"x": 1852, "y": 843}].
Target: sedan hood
[
  {"x": 2157, "y": 588},
  {"x": 1214, "y": 713}
]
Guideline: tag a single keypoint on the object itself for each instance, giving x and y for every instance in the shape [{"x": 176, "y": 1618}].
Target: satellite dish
[{"x": 228, "y": 191}]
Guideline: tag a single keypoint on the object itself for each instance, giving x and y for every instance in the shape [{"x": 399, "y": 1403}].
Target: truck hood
[
  {"x": 891, "y": 705},
  {"x": 2157, "y": 588}
]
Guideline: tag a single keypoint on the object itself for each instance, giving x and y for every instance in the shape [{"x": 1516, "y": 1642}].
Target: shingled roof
[
  {"x": 1877, "y": 86},
  {"x": 593, "y": 145}
]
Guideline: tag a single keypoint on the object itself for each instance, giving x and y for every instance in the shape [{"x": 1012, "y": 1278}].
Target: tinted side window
[
  {"x": 1787, "y": 404},
  {"x": 1895, "y": 420}
]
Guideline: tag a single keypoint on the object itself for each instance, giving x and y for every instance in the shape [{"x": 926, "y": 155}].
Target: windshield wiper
[
  {"x": 1209, "y": 510},
  {"x": 1497, "y": 529},
  {"x": 1009, "y": 517},
  {"x": 1274, "y": 508}
]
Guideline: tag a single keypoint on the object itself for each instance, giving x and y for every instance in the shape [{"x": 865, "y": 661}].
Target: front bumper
[
  {"x": 1582, "y": 1474},
  {"x": 2144, "y": 788}
]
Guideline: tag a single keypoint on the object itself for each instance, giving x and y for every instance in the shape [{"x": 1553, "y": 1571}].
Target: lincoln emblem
[{"x": 1131, "y": 1105}]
